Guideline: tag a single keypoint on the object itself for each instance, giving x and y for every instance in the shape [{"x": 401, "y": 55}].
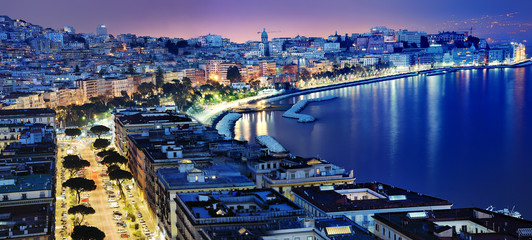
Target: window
[
  {"x": 317, "y": 171},
  {"x": 310, "y": 238},
  {"x": 377, "y": 227},
  {"x": 6, "y": 197},
  {"x": 24, "y": 196}
]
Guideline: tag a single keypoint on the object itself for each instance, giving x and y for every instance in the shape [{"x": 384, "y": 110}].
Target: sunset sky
[{"x": 240, "y": 20}]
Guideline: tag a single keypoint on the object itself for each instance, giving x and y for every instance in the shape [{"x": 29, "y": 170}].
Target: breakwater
[
  {"x": 227, "y": 124},
  {"x": 271, "y": 144},
  {"x": 296, "y": 108}
]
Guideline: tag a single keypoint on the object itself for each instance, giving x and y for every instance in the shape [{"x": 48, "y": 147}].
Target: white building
[{"x": 101, "y": 30}]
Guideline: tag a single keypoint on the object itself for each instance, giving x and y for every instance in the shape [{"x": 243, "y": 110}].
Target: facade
[
  {"x": 359, "y": 202},
  {"x": 38, "y": 115},
  {"x": 284, "y": 174},
  {"x": 464, "y": 223},
  {"x": 187, "y": 178}
]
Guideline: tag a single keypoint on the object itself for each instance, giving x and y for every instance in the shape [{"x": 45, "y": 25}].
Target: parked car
[
  {"x": 124, "y": 235},
  {"x": 122, "y": 230}
]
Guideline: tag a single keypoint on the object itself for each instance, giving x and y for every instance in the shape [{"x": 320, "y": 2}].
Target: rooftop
[
  {"x": 237, "y": 206},
  {"x": 31, "y": 111},
  {"x": 151, "y": 118},
  {"x": 339, "y": 228},
  {"x": 375, "y": 195},
  {"x": 216, "y": 176},
  {"x": 430, "y": 224},
  {"x": 26, "y": 183}
]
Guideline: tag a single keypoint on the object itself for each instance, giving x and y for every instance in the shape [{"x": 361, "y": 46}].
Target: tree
[
  {"x": 146, "y": 89},
  {"x": 113, "y": 158},
  {"x": 187, "y": 82},
  {"x": 233, "y": 74},
  {"x": 304, "y": 74},
  {"x": 120, "y": 176},
  {"x": 80, "y": 185},
  {"x": 131, "y": 69},
  {"x": 99, "y": 130},
  {"x": 73, "y": 163},
  {"x": 82, "y": 232},
  {"x": 81, "y": 210},
  {"x": 101, "y": 143},
  {"x": 72, "y": 133},
  {"x": 112, "y": 168},
  {"x": 159, "y": 77},
  {"x": 104, "y": 153}
]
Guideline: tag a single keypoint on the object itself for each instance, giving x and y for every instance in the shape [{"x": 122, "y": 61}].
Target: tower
[
  {"x": 264, "y": 36},
  {"x": 101, "y": 30}
]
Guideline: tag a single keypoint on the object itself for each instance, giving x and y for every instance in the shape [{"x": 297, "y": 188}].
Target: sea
[{"x": 463, "y": 136}]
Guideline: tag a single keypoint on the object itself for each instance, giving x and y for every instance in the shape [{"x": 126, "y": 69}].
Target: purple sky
[{"x": 240, "y": 20}]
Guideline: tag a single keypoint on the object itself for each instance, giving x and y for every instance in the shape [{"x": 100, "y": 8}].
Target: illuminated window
[
  {"x": 196, "y": 178},
  {"x": 317, "y": 171}
]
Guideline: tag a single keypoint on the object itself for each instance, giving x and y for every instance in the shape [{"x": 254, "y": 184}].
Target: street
[{"x": 109, "y": 219}]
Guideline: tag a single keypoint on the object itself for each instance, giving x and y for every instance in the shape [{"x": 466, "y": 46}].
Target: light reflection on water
[{"x": 465, "y": 136}]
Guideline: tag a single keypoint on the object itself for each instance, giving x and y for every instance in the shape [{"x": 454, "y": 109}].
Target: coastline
[{"x": 211, "y": 117}]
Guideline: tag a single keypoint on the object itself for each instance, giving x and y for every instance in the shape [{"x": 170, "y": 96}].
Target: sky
[{"x": 240, "y": 20}]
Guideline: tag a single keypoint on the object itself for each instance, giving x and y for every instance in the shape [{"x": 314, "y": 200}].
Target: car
[
  {"x": 122, "y": 230},
  {"x": 117, "y": 213},
  {"x": 111, "y": 200},
  {"x": 132, "y": 201},
  {"x": 124, "y": 235},
  {"x": 130, "y": 195},
  {"x": 141, "y": 220},
  {"x": 139, "y": 215},
  {"x": 117, "y": 217},
  {"x": 113, "y": 205}
]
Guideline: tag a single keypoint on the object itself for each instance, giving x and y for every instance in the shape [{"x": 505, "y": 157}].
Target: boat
[{"x": 505, "y": 211}]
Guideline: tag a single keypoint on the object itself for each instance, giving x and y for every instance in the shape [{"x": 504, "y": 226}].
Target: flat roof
[
  {"x": 330, "y": 200},
  {"x": 504, "y": 227},
  {"x": 225, "y": 176},
  {"x": 28, "y": 111},
  {"x": 153, "y": 118},
  {"x": 26, "y": 183},
  {"x": 268, "y": 201},
  {"x": 332, "y": 225}
]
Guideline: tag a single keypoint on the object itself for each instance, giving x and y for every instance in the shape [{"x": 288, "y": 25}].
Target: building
[
  {"x": 410, "y": 37},
  {"x": 187, "y": 178},
  {"x": 302, "y": 229},
  {"x": 283, "y": 174},
  {"x": 464, "y": 223},
  {"x": 37, "y": 115},
  {"x": 141, "y": 120},
  {"x": 199, "y": 212},
  {"x": 359, "y": 202},
  {"x": 27, "y": 167},
  {"x": 101, "y": 30},
  {"x": 401, "y": 61}
]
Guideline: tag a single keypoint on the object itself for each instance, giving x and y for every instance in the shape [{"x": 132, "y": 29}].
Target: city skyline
[{"x": 285, "y": 19}]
